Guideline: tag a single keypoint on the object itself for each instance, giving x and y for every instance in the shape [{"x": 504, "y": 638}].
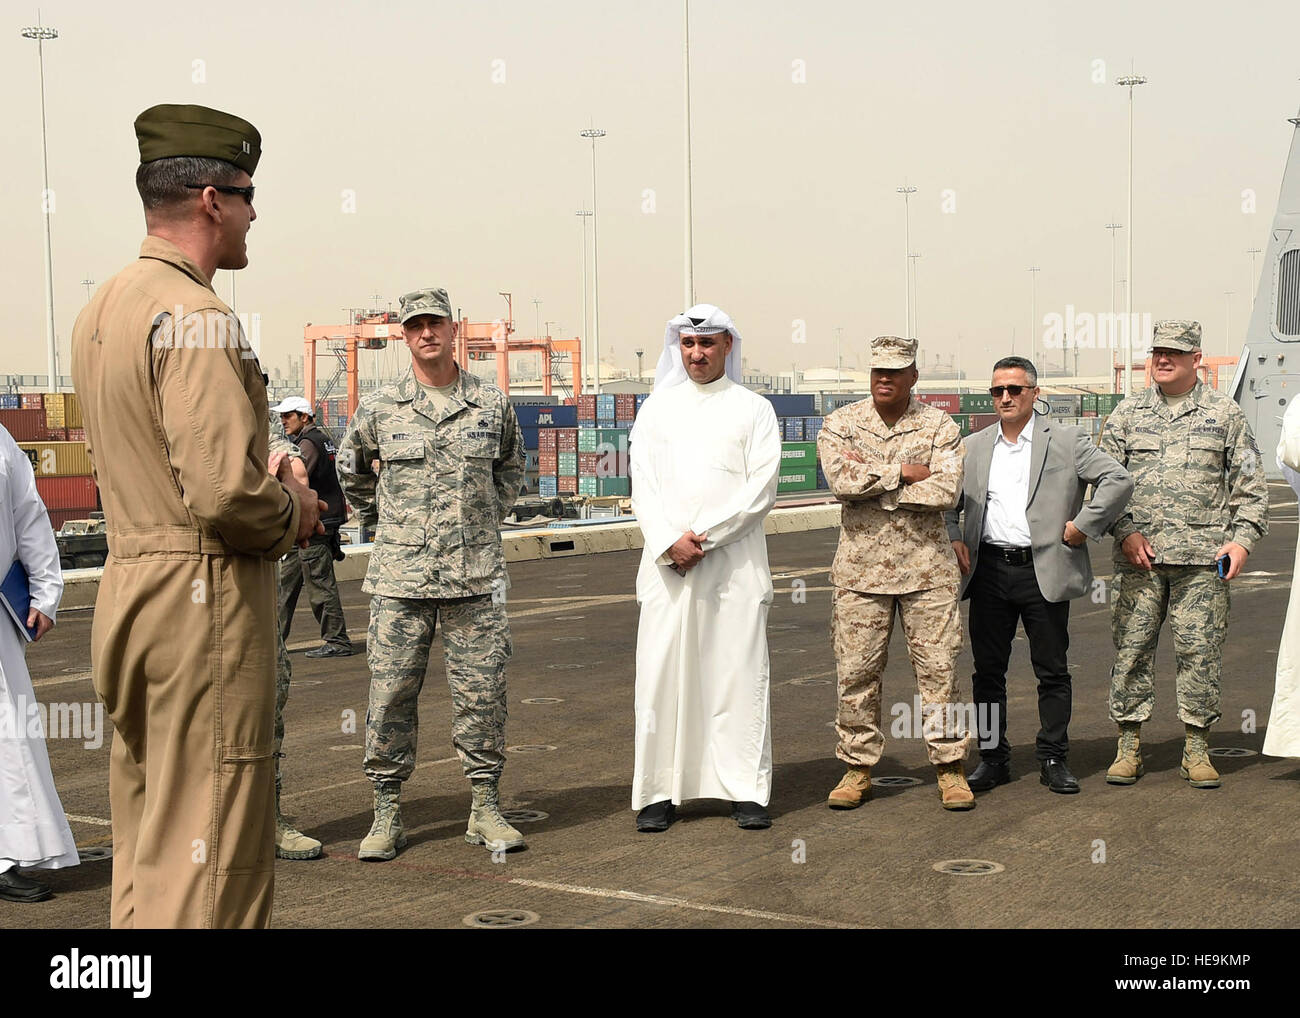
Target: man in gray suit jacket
[{"x": 1022, "y": 552}]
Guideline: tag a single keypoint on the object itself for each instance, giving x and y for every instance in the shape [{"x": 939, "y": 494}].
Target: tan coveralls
[{"x": 183, "y": 641}]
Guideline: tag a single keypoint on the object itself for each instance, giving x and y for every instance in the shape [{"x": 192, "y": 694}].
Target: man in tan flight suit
[{"x": 183, "y": 640}]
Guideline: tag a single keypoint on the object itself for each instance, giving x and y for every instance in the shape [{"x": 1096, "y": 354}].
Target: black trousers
[{"x": 1001, "y": 595}]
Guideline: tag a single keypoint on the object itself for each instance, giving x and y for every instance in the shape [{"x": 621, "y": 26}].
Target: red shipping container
[
  {"x": 66, "y": 492},
  {"x": 978, "y": 422},
  {"x": 32, "y": 400},
  {"x": 55, "y": 434},
  {"x": 76, "y": 434},
  {"x": 587, "y": 407},
  {"x": 567, "y": 485},
  {"x": 548, "y": 461},
  {"x": 949, "y": 403},
  {"x": 546, "y": 440},
  {"x": 24, "y": 425},
  {"x": 587, "y": 462},
  {"x": 58, "y": 517},
  {"x": 566, "y": 439},
  {"x": 625, "y": 405}
]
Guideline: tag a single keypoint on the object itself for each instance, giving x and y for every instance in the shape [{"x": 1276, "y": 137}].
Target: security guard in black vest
[{"x": 314, "y": 564}]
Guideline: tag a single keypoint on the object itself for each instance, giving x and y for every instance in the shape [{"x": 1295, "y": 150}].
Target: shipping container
[
  {"x": 32, "y": 401},
  {"x": 567, "y": 485},
  {"x": 67, "y": 492},
  {"x": 566, "y": 439},
  {"x": 24, "y": 425},
  {"x": 530, "y": 437},
  {"x": 812, "y": 427},
  {"x": 978, "y": 422},
  {"x": 587, "y": 462},
  {"x": 1088, "y": 402},
  {"x": 547, "y": 416},
  {"x": 626, "y": 425},
  {"x": 948, "y": 402},
  {"x": 58, "y": 459},
  {"x": 587, "y": 407},
  {"x": 832, "y": 401},
  {"x": 625, "y": 405},
  {"x": 796, "y": 479},
  {"x": 796, "y": 455},
  {"x": 1066, "y": 405},
  {"x": 975, "y": 403},
  {"x": 548, "y": 461},
  {"x": 10, "y": 401},
  {"x": 63, "y": 410},
  {"x": 530, "y": 461},
  {"x": 547, "y": 485},
  {"x": 567, "y": 464},
  {"x": 606, "y": 486},
  {"x": 792, "y": 404},
  {"x": 963, "y": 423},
  {"x": 587, "y": 485},
  {"x": 546, "y": 440},
  {"x": 588, "y": 439},
  {"x": 792, "y": 429}
]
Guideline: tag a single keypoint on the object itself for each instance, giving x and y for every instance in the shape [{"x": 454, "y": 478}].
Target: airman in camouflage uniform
[
  {"x": 290, "y": 843},
  {"x": 1200, "y": 494},
  {"x": 896, "y": 465},
  {"x": 451, "y": 458}
]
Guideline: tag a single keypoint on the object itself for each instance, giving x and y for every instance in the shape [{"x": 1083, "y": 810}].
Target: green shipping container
[
  {"x": 588, "y": 439},
  {"x": 613, "y": 485},
  {"x": 1089, "y": 401},
  {"x": 797, "y": 455},
  {"x": 976, "y": 403},
  {"x": 587, "y": 486},
  {"x": 567, "y": 464},
  {"x": 797, "y": 479},
  {"x": 963, "y": 422}
]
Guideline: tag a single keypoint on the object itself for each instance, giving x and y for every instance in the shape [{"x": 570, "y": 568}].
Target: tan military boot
[
  {"x": 1196, "y": 768},
  {"x": 487, "y": 826},
  {"x": 1127, "y": 767},
  {"x": 853, "y": 790},
  {"x": 291, "y": 843},
  {"x": 953, "y": 790},
  {"x": 386, "y": 834}
]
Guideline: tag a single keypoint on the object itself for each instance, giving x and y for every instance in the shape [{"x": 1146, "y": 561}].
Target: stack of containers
[
  {"x": 603, "y": 462},
  {"x": 23, "y": 425},
  {"x": 624, "y": 409},
  {"x": 799, "y": 468},
  {"x": 566, "y": 443},
  {"x": 535, "y": 420},
  {"x": 63, "y": 412},
  {"x": 64, "y": 479},
  {"x": 792, "y": 429},
  {"x": 587, "y": 410},
  {"x": 548, "y": 464}
]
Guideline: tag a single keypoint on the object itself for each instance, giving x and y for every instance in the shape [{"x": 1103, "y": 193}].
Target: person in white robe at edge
[
  {"x": 34, "y": 832},
  {"x": 705, "y": 454},
  {"x": 1283, "y": 735}
]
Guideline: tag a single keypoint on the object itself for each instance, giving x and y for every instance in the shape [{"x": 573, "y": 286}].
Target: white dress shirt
[{"x": 1006, "y": 521}]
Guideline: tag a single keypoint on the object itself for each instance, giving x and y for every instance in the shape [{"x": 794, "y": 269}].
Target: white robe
[
  {"x": 1283, "y": 735},
  {"x": 33, "y": 829},
  {"x": 704, "y": 458}
]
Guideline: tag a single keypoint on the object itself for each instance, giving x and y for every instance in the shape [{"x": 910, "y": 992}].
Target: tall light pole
[
  {"x": 916, "y": 300},
  {"x": 593, "y": 133},
  {"x": 1112, "y": 227},
  {"x": 686, "y": 66},
  {"x": 839, "y": 359},
  {"x": 1033, "y": 317},
  {"x": 907, "y": 250},
  {"x": 1227, "y": 321},
  {"x": 537, "y": 312},
  {"x": 585, "y": 214},
  {"x": 42, "y": 34},
  {"x": 1253, "y": 288},
  {"x": 1129, "y": 80}
]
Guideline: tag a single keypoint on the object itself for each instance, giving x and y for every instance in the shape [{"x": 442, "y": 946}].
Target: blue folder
[{"x": 16, "y": 596}]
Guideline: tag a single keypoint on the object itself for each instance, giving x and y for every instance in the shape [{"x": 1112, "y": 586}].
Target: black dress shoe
[
  {"x": 16, "y": 887},
  {"x": 1056, "y": 776},
  {"x": 988, "y": 776},
  {"x": 656, "y": 817},
  {"x": 750, "y": 816},
  {"x": 329, "y": 650}
]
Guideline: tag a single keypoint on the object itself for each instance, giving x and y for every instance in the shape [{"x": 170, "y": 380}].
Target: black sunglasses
[
  {"x": 247, "y": 192},
  {"x": 1013, "y": 390}
]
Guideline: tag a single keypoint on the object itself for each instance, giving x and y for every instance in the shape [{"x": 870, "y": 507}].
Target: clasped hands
[{"x": 687, "y": 552}]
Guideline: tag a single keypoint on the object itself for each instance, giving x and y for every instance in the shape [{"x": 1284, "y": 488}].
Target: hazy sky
[{"x": 471, "y": 182}]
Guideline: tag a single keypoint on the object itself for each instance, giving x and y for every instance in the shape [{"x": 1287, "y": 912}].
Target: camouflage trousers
[
  {"x": 1196, "y": 601},
  {"x": 283, "y": 676},
  {"x": 476, "y": 647},
  {"x": 313, "y": 565},
  {"x": 861, "y": 625}
]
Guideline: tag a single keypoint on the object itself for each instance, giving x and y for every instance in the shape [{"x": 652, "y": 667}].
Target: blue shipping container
[
  {"x": 792, "y": 429},
  {"x": 792, "y": 404},
  {"x": 530, "y": 437},
  {"x": 547, "y": 417},
  {"x": 547, "y": 486},
  {"x": 812, "y": 427}
]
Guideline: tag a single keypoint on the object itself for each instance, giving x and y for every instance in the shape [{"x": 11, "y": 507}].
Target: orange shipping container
[{"x": 58, "y": 459}]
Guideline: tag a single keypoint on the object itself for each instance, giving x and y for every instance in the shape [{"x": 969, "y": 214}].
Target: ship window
[{"x": 1288, "y": 294}]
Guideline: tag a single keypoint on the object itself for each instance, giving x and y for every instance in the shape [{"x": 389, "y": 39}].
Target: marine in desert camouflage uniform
[
  {"x": 896, "y": 465},
  {"x": 1200, "y": 494},
  {"x": 451, "y": 459},
  {"x": 290, "y": 843}
]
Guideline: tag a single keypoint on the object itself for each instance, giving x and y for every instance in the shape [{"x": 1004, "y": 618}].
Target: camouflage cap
[
  {"x": 1175, "y": 334},
  {"x": 166, "y": 131},
  {"x": 424, "y": 302},
  {"x": 892, "y": 352}
]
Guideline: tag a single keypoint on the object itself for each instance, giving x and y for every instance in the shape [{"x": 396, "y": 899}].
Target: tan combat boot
[
  {"x": 1196, "y": 768},
  {"x": 487, "y": 826},
  {"x": 953, "y": 790},
  {"x": 1127, "y": 767},
  {"x": 291, "y": 843},
  {"x": 386, "y": 834},
  {"x": 853, "y": 790}
]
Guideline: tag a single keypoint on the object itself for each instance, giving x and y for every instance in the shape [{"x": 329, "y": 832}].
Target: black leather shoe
[
  {"x": 1056, "y": 776},
  {"x": 988, "y": 776},
  {"x": 656, "y": 817},
  {"x": 750, "y": 816},
  {"x": 16, "y": 887},
  {"x": 329, "y": 650}
]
